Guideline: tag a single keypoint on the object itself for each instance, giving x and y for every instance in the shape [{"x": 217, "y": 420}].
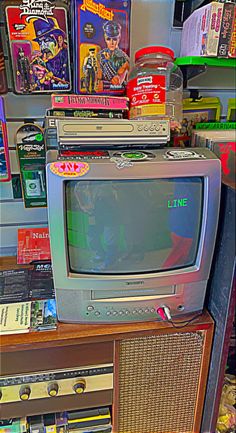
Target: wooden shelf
[{"x": 71, "y": 334}]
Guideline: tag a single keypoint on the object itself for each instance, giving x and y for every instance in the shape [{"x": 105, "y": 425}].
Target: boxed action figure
[
  {"x": 201, "y": 31},
  {"x": 101, "y": 36},
  {"x": 3, "y": 79},
  {"x": 38, "y": 39}
]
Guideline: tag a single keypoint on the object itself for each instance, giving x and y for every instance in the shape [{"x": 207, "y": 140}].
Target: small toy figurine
[
  {"x": 90, "y": 69},
  {"x": 113, "y": 62},
  {"x": 227, "y": 414},
  {"x": 23, "y": 71}
]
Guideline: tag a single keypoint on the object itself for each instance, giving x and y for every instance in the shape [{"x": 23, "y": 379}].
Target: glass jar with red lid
[{"x": 155, "y": 86}]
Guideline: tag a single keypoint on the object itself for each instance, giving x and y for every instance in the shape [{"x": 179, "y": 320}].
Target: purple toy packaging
[
  {"x": 5, "y": 174},
  {"x": 101, "y": 33},
  {"x": 38, "y": 39}
]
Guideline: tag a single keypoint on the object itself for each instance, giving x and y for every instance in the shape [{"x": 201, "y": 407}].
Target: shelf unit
[{"x": 203, "y": 72}]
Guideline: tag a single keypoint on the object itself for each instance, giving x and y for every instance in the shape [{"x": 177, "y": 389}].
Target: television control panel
[{"x": 56, "y": 383}]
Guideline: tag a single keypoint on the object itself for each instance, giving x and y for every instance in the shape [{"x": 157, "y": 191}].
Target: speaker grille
[{"x": 158, "y": 383}]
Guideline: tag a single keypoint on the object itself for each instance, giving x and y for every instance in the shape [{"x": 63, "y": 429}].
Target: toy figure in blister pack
[
  {"x": 103, "y": 26},
  {"x": 113, "y": 62},
  {"x": 39, "y": 48},
  {"x": 3, "y": 81},
  {"x": 90, "y": 69},
  {"x": 24, "y": 71}
]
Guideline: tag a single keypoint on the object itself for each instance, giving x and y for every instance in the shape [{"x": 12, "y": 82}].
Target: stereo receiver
[{"x": 56, "y": 383}]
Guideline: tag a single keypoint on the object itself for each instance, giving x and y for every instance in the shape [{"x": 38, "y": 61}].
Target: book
[
  {"x": 14, "y": 285},
  {"x": 226, "y": 29},
  {"x": 33, "y": 244},
  {"x": 43, "y": 315},
  {"x": 15, "y": 318}
]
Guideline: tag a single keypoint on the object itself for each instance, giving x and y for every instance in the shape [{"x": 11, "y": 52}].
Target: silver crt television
[{"x": 132, "y": 231}]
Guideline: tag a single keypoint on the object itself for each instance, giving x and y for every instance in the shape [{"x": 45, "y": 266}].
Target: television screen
[{"x": 133, "y": 226}]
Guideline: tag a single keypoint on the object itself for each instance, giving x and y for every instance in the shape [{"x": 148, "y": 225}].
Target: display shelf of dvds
[{"x": 203, "y": 72}]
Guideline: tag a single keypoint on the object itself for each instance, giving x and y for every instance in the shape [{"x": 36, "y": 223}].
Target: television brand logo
[
  {"x": 69, "y": 168},
  {"x": 180, "y": 202}
]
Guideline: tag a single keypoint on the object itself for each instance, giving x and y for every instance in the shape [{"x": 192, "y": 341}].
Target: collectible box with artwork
[
  {"x": 226, "y": 30},
  {"x": 201, "y": 31},
  {"x": 101, "y": 45},
  {"x": 232, "y": 44},
  {"x": 38, "y": 41},
  {"x": 3, "y": 78}
]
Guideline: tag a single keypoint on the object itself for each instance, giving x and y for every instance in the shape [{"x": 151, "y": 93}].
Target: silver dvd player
[{"x": 70, "y": 132}]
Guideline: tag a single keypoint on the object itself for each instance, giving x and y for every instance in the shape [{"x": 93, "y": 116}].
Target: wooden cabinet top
[{"x": 70, "y": 334}]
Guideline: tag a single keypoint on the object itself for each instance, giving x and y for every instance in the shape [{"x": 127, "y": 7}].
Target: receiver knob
[
  {"x": 24, "y": 393},
  {"x": 79, "y": 386},
  {"x": 53, "y": 389}
]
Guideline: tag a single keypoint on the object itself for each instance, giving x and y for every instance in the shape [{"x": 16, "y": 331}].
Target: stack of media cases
[{"x": 95, "y": 420}]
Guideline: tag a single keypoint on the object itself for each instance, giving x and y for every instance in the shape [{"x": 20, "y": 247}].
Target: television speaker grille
[{"x": 158, "y": 382}]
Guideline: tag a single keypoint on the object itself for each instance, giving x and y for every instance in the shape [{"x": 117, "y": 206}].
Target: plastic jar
[{"x": 155, "y": 86}]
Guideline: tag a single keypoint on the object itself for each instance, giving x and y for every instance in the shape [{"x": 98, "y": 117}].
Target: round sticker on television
[{"x": 69, "y": 168}]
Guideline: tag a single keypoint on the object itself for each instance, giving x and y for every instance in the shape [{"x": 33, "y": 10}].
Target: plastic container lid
[{"x": 154, "y": 50}]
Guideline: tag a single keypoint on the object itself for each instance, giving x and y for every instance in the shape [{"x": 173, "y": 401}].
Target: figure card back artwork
[
  {"x": 102, "y": 41},
  {"x": 38, "y": 39}
]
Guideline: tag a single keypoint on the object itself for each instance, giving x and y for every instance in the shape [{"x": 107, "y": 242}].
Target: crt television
[{"x": 131, "y": 232}]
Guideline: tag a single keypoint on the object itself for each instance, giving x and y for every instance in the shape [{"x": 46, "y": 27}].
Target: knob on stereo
[
  {"x": 79, "y": 386},
  {"x": 53, "y": 389},
  {"x": 24, "y": 393}
]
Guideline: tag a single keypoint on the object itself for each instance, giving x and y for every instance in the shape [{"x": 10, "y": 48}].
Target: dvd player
[{"x": 66, "y": 133}]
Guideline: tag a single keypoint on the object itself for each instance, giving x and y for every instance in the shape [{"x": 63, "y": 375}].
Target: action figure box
[
  {"x": 101, "y": 36},
  {"x": 201, "y": 31},
  {"x": 3, "y": 78},
  {"x": 39, "y": 47}
]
